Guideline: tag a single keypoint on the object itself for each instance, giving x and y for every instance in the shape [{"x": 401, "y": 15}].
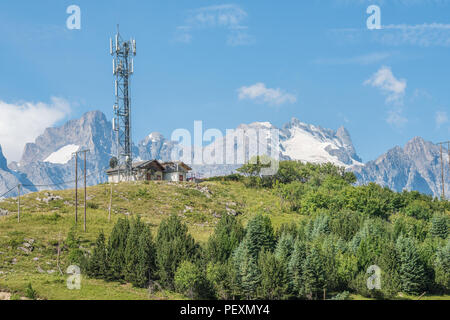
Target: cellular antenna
[{"x": 123, "y": 67}]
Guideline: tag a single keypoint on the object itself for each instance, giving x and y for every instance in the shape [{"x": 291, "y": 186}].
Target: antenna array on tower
[{"x": 123, "y": 67}]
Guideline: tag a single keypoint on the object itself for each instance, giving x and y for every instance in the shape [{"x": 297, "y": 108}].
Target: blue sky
[{"x": 228, "y": 63}]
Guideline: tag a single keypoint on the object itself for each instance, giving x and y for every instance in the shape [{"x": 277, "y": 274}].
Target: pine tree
[
  {"x": 314, "y": 277},
  {"x": 116, "y": 249},
  {"x": 442, "y": 267},
  {"x": 273, "y": 284},
  {"x": 284, "y": 248},
  {"x": 283, "y": 254},
  {"x": 138, "y": 254},
  {"x": 225, "y": 239},
  {"x": 246, "y": 270},
  {"x": 98, "y": 264},
  {"x": 145, "y": 269},
  {"x": 250, "y": 275},
  {"x": 439, "y": 226},
  {"x": 173, "y": 245},
  {"x": 411, "y": 270},
  {"x": 295, "y": 267},
  {"x": 260, "y": 235}
]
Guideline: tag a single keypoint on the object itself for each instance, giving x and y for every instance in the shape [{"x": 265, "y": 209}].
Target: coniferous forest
[{"x": 349, "y": 237}]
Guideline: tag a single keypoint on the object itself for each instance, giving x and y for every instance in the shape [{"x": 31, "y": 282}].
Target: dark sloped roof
[{"x": 155, "y": 165}]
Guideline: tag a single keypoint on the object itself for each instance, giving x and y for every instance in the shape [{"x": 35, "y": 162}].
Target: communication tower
[{"x": 123, "y": 52}]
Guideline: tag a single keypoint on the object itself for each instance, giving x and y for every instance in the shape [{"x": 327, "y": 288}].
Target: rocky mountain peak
[{"x": 3, "y": 162}]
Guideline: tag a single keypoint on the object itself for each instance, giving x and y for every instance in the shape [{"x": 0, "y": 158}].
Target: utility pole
[
  {"x": 443, "y": 164},
  {"x": 18, "y": 203},
  {"x": 76, "y": 188},
  {"x": 442, "y": 175},
  {"x": 85, "y": 191},
  {"x": 76, "y": 185}
]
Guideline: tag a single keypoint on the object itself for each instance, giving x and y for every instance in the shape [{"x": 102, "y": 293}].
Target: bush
[
  {"x": 342, "y": 296},
  {"x": 190, "y": 280},
  {"x": 30, "y": 293}
]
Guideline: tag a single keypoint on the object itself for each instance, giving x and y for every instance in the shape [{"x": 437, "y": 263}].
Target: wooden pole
[
  {"x": 442, "y": 173},
  {"x": 110, "y": 203},
  {"x": 76, "y": 188},
  {"x": 85, "y": 192},
  {"x": 18, "y": 203}
]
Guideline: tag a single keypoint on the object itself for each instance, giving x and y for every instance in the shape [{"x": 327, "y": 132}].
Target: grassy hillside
[
  {"x": 49, "y": 223},
  {"x": 29, "y": 249}
]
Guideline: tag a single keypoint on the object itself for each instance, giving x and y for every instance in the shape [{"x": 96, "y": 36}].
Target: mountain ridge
[{"x": 414, "y": 166}]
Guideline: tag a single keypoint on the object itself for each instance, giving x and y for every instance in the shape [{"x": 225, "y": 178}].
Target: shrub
[{"x": 30, "y": 293}]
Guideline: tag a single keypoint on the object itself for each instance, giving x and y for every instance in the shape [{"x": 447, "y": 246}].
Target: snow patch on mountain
[
  {"x": 304, "y": 146},
  {"x": 63, "y": 155}
]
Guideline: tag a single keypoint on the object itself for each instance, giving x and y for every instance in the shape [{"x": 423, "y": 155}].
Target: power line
[{"x": 8, "y": 192}]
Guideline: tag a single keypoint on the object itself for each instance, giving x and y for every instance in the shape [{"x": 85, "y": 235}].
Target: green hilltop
[{"x": 315, "y": 207}]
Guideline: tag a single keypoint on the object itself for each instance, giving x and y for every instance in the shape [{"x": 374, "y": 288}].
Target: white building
[{"x": 151, "y": 170}]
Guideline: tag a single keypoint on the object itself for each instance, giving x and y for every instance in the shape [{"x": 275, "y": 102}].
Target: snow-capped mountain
[
  {"x": 416, "y": 166},
  {"x": 10, "y": 179},
  {"x": 309, "y": 143},
  {"x": 155, "y": 146},
  {"x": 49, "y": 161}
]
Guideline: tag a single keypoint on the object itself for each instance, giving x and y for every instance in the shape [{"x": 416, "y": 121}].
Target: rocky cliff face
[
  {"x": 3, "y": 162},
  {"x": 416, "y": 166},
  {"x": 49, "y": 161},
  {"x": 10, "y": 179},
  {"x": 309, "y": 143}
]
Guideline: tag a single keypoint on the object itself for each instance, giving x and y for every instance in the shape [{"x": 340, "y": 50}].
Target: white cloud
[
  {"x": 433, "y": 34},
  {"x": 392, "y": 87},
  {"x": 228, "y": 16},
  {"x": 423, "y": 35},
  {"x": 361, "y": 60},
  {"x": 441, "y": 118},
  {"x": 260, "y": 93},
  {"x": 24, "y": 122},
  {"x": 396, "y": 118}
]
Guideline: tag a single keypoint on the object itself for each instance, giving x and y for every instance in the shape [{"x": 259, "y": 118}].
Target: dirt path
[{"x": 5, "y": 296}]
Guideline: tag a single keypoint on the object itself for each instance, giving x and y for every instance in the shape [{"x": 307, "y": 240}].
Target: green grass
[{"x": 49, "y": 224}]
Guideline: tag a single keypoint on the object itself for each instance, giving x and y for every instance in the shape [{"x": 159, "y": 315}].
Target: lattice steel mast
[{"x": 123, "y": 67}]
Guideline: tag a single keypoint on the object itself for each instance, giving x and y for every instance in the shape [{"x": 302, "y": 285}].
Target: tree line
[{"x": 344, "y": 230}]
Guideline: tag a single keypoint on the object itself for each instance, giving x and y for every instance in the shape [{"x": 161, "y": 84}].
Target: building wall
[
  {"x": 174, "y": 176},
  {"x": 114, "y": 178}
]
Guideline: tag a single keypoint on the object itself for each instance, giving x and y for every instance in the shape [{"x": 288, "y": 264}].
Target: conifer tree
[
  {"x": 173, "y": 245},
  {"x": 145, "y": 269},
  {"x": 314, "y": 276},
  {"x": 411, "y": 270},
  {"x": 439, "y": 226},
  {"x": 295, "y": 267},
  {"x": 259, "y": 235},
  {"x": 273, "y": 284},
  {"x": 442, "y": 266},
  {"x": 250, "y": 275},
  {"x": 283, "y": 253},
  {"x": 116, "y": 249},
  {"x": 225, "y": 239},
  {"x": 98, "y": 264}
]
